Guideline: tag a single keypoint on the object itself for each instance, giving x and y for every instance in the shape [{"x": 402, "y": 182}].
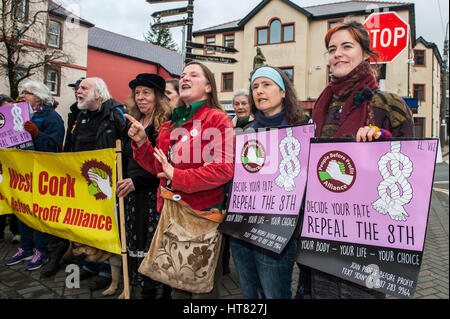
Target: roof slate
[
  {"x": 433, "y": 46},
  {"x": 119, "y": 44},
  {"x": 58, "y": 10},
  {"x": 227, "y": 25},
  {"x": 350, "y": 6},
  {"x": 315, "y": 12}
]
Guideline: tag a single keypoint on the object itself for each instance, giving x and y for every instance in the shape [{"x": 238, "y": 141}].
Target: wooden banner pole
[{"x": 126, "y": 285}]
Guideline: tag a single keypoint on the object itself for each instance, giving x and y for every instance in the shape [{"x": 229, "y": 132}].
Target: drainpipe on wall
[
  {"x": 432, "y": 95},
  {"x": 409, "y": 68},
  {"x": 444, "y": 87}
]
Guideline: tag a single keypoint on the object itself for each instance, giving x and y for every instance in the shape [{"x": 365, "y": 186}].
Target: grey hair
[
  {"x": 101, "y": 90},
  {"x": 39, "y": 89},
  {"x": 241, "y": 92}
]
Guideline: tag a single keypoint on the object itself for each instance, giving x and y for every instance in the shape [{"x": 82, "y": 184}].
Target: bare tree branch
[{"x": 22, "y": 52}]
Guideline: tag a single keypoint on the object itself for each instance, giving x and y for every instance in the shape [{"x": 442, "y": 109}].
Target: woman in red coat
[{"x": 193, "y": 156}]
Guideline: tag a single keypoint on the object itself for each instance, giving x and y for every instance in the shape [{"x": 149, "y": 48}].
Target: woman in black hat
[{"x": 138, "y": 186}]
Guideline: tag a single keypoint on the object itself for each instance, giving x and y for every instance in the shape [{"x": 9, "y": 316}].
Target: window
[
  {"x": 210, "y": 40},
  {"x": 419, "y": 92},
  {"x": 19, "y": 8},
  {"x": 54, "y": 34},
  {"x": 333, "y": 23},
  {"x": 419, "y": 57},
  {"x": 275, "y": 31},
  {"x": 289, "y": 72},
  {"x": 262, "y": 36},
  {"x": 419, "y": 127},
  {"x": 329, "y": 74},
  {"x": 227, "y": 82},
  {"x": 288, "y": 33},
  {"x": 228, "y": 40},
  {"x": 52, "y": 80},
  {"x": 380, "y": 70}
]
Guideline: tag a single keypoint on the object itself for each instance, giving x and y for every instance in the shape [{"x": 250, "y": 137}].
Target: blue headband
[{"x": 270, "y": 73}]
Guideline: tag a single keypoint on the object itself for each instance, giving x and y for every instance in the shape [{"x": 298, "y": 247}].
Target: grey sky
[{"x": 132, "y": 17}]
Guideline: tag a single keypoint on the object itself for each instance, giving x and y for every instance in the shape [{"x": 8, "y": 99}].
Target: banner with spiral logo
[
  {"x": 69, "y": 195},
  {"x": 366, "y": 211},
  {"x": 12, "y": 133},
  {"x": 268, "y": 186}
]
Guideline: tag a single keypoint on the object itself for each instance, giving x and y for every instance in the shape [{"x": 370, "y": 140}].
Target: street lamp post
[
  {"x": 190, "y": 22},
  {"x": 188, "y": 45}
]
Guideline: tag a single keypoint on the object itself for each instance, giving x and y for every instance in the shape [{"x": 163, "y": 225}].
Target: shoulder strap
[
  {"x": 214, "y": 214},
  {"x": 111, "y": 115}
]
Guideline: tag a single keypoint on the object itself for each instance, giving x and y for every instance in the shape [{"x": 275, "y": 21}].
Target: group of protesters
[{"x": 165, "y": 195}]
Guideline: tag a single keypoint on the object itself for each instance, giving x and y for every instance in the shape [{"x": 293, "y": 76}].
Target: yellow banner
[{"x": 69, "y": 195}]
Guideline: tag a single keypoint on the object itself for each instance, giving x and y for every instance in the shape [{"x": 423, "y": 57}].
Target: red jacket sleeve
[
  {"x": 144, "y": 156},
  {"x": 219, "y": 168}
]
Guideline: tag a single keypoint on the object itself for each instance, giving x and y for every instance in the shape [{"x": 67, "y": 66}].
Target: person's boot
[{"x": 53, "y": 265}]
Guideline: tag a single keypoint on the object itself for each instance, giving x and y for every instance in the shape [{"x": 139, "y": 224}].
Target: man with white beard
[
  {"x": 99, "y": 124},
  {"x": 101, "y": 119}
]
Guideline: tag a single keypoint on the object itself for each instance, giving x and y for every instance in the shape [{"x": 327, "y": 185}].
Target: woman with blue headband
[
  {"x": 261, "y": 273},
  {"x": 273, "y": 99}
]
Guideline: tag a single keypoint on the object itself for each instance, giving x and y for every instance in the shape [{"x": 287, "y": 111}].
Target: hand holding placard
[
  {"x": 31, "y": 128},
  {"x": 125, "y": 187}
]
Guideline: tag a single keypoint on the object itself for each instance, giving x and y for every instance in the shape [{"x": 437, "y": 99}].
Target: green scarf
[
  {"x": 244, "y": 120},
  {"x": 184, "y": 113}
]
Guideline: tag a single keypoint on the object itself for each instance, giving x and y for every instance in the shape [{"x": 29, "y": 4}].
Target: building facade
[
  {"x": 88, "y": 52},
  {"x": 292, "y": 38},
  {"x": 56, "y": 29},
  {"x": 117, "y": 59},
  {"x": 426, "y": 87}
]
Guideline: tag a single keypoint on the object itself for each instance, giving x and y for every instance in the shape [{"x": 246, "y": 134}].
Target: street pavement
[{"x": 16, "y": 283}]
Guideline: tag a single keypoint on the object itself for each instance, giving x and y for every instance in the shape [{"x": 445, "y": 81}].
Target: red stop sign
[{"x": 389, "y": 35}]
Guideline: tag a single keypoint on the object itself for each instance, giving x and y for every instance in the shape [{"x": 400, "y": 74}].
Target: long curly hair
[{"x": 161, "y": 111}]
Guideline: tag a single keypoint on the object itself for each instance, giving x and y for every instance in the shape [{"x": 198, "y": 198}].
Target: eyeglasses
[{"x": 25, "y": 92}]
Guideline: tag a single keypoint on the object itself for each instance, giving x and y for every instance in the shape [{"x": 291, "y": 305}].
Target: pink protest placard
[
  {"x": 267, "y": 189},
  {"x": 367, "y": 204},
  {"x": 12, "y": 133}
]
